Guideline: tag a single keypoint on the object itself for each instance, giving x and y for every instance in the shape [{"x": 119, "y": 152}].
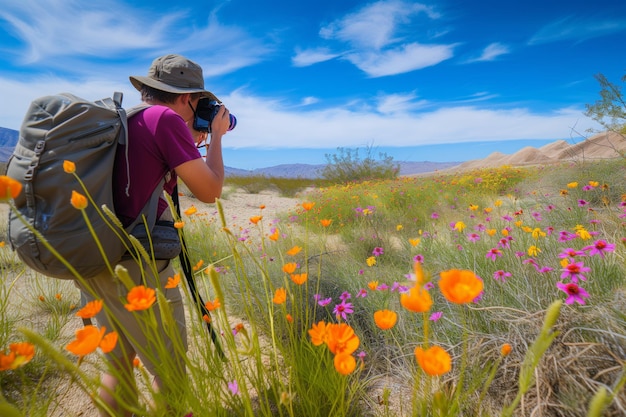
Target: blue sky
[{"x": 439, "y": 80}]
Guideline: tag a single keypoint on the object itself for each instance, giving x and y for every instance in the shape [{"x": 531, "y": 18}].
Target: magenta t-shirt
[{"x": 158, "y": 141}]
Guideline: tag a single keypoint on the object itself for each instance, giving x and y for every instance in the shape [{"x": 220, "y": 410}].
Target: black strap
[{"x": 186, "y": 265}]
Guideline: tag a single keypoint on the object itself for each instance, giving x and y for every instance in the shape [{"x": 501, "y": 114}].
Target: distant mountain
[{"x": 9, "y": 137}]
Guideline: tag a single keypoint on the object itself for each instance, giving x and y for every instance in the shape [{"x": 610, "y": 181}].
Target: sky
[{"x": 444, "y": 80}]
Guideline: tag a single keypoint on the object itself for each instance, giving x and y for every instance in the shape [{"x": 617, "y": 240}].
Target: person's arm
[{"x": 205, "y": 179}]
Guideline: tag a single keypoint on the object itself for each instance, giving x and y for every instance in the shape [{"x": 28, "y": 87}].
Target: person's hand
[{"x": 221, "y": 121}]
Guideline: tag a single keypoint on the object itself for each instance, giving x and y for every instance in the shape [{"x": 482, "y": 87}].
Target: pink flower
[
  {"x": 571, "y": 253},
  {"x": 575, "y": 293},
  {"x": 599, "y": 247},
  {"x": 473, "y": 237},
  {"x": 574, "y": 271},
  {"x": 378, "y": 251},
  {"x": 435, "y": 316},
  {"x": 342, "y": 310},
  {"x": 501, "y": 275},
  {"x": 233, "y": 387},
  {"x": 493, "y": 254}
]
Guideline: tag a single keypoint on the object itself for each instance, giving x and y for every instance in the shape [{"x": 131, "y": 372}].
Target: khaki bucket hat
[{"x": 174, "y": 74}]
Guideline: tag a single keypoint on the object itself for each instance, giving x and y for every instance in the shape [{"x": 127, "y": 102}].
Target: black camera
[{"x": 204, "y": 114}]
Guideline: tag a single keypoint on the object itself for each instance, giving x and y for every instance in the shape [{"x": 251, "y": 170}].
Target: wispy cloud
[
  {"x": 304, "y": 58},
  {"x": 382, "y": 39},
  {"x": 577, "y": 28},
  {"x": 491, "y": 52}
]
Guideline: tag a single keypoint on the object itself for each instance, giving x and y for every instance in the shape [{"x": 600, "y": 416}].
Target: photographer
[{"x": 161, "y": 145}]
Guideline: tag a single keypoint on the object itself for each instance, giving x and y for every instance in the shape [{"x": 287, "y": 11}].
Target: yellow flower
[
  {"x": 344, "y": 363},
  {"x": 275, "y": 235},
  {"x": 460, "y": 286},
  {"x": 69, "y": 167},
  {"x": 371, "y": 261},
  {"x": 399, "y": 227},
  {"x": 505, "y": 232},
  {"x": 491, "y": 232},
  {"x": 415, "y": 241},
  {"x": 434, "y": 360},
  {"x": 385, "y": 319},
  {"x": 9, "y": 188},
  {"x": 294, "y": 251},
  {"x": 537, "y": 233},
  {"x": 594, "y": 183},
  {"x": 140, "y": 298},
  {"x": 90, "y": 309},
  {"x": 572, "y": 184},
  {"x": 533, "y": 251},
  {"x": 473, "y": 207},
  {"x": 418, "y": 300},
  {"x": 280, "y": 296},
  {"x": 299, "y": 279},
  {"x": 78, "y": 200},
  {"x": 497, "y": 203},
  {"x": 172, "y": 282},
  {"x": 459, "y": 226},
  {"x": 191, "y": 210}
]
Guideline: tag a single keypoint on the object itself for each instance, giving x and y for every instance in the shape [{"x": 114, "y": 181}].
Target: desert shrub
[{"x": 347, "y": 166}]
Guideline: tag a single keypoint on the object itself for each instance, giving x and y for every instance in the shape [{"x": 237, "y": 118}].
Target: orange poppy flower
[
  {"x": 90, "y": 309},
  {"x": 213, "y": 305},
  {"x": 19, "y": 355},
  {"x": 290, "y": 268},
  {"x": 198, "y": 265},
  {"x": 307, "y": 205},
  {"x": 325, "y": 222},
  {"x": 372, "y": 285},
  {"x": 87, "y": 340},
  {"x": 280, "y": 296},
  {"x": 341, "y": 339},
  {"x": 191, "y": 210},
  {"x": 179, "y": 224},
  {"x": 385, "y": 319},
  {"x": 418, "y": 300},
  {"x": 108, "y": 342},
  {"x": 460, "y": 286},
  {"x": 289, "y": 318},
  {"x": 255, "y": 219},
  {"x": 78, "y": 200},
  {"x": 299, "y": 279},
  {"x": 172, "y": 282},
  {"x": 419, "y": 273},
  {"x": 294, "y": 251},
  {"x": 69, "y": 167},
  {"x": 344, "y": 363},
  {"x": 9, "y": 188},
  {"x": 140, "y": 298},
  {"x": 319, "y": 333},
  {"x": 206, "y": 318},
  {"x": 275, "y": 235},
  {"x": 505, "y": 349},
  {"x": 434, "y": 360}
]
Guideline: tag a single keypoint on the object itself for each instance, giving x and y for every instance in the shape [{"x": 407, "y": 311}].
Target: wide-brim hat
[{"x": 174, "y": 74}]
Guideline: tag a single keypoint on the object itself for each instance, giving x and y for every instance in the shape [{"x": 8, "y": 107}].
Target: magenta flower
[
  {"x": 378, "y": 251},
  {"x": 574, "y": 271},
  {"x": 324, "y": 302},
  {"x": 419, "y": 258},
  {"x": 435, "y": 316},
  {"x": 599, "y": 247},
  {"x": 233, "y": 387},
  {"x": 343, "y": 309},
  {"x": 582, "y": 203},
  {"x": 362, "y": 293},
  {"x": 493, "y": 254},
  {"x": 434, "y": 216},
  {"x": 571, "y": 253},
  {"x": 345, "y": 295},
  {"x": 473, "y": 237},
  {"x": 501, "y": 275},
  {"x": 575, "y": 294}
]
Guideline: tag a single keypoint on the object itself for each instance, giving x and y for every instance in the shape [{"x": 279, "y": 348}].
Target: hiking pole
[{"x": 187, "y": 270}]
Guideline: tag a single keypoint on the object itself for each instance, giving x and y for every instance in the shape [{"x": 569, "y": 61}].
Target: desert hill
[{"x": 606, "y": 145}]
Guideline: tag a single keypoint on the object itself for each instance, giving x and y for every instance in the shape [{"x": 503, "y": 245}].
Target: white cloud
[
  {"x": 375, "y": 25},
  {"x": 304, "y": 58},
  {"x": 491, "y": 52},
  {"x": 395, "y": 121},
  {"x": 407, "y": 58},
  {"x": 578, "y": 29}
]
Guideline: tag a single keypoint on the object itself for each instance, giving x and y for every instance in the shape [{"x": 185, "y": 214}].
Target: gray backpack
[{"x": 58, "y": 128}]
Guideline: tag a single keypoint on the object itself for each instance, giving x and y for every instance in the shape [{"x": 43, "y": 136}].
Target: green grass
[{"x": 280, "y": 372}]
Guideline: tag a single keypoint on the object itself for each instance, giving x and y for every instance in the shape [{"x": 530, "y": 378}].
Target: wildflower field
[{"x": 496, "y": 292}]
